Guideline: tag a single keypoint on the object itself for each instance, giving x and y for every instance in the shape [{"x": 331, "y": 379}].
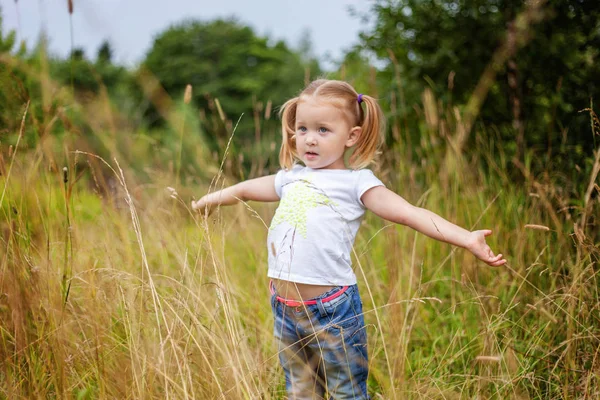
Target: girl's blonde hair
[{"x": 342, "y": 95}]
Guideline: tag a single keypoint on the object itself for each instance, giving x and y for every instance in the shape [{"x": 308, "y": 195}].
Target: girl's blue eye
[
  {"x": 302, "y": 129},
  {"x": 323, "y": 130}
]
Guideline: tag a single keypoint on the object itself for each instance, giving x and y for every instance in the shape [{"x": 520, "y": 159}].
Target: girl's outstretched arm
[
  {"x": 388, "y": 205},
  {"x": 259, "y": 189}
]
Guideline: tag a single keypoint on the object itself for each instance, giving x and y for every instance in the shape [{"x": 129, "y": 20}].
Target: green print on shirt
[{"x": 293, "y": 209}]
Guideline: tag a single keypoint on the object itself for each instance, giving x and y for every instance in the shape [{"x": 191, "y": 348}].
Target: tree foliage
[
  {"x": 226, "y": 60},
  {"x": 546, "y": 80},
  {"x": 14, "y": 84}
]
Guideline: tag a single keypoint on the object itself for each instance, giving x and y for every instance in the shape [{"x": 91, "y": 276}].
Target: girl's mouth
[{"x": 310, "y": 155}]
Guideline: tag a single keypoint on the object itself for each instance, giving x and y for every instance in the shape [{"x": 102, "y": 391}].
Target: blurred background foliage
[
  {"x": 540, "y": 60},
  {"x": 549, "y": 74}
]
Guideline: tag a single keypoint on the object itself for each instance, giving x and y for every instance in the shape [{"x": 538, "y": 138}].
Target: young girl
[{"x": 318, "y": 312}]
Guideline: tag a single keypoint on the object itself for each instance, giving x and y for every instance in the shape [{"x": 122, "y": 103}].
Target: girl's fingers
[
  {"x": 493, "y": 260},
  {"x": 498, "y": 263}
]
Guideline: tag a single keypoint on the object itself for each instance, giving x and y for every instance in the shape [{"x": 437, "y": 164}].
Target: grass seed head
[
  {"x": 538, "y": 227},
  {"x": 187, "y": 97}
]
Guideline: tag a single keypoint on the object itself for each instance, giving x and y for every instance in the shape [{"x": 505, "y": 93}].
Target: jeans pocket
[{"x": 341, "y": 315}]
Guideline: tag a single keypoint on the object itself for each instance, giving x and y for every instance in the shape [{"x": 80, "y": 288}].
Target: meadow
[{"x": 111, "y": 287}]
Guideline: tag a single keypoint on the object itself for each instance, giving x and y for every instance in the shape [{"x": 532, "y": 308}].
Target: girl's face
[{"x": 323, "y": 132}]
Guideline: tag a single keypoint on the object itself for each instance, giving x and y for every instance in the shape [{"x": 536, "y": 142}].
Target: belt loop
[
  {"x": 347, "y": 292},
  {"x": 321, "y": 308}
]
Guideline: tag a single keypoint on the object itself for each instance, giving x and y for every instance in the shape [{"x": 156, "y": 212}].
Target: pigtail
[
  {"x": 287, "y": 152},
  {"x": 373, "y": 126}
]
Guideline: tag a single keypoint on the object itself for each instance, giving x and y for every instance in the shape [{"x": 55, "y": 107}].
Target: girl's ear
[{"x": 354, "y": 136}]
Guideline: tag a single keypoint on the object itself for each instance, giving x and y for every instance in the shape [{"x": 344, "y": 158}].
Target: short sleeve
[
  {"x": 366, "y": 180},
  {"x": 279, "y": 177}
]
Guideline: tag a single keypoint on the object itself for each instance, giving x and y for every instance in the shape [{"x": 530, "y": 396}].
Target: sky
[{"x": 131, "y": 25}]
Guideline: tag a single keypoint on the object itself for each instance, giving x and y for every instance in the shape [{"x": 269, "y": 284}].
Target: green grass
[{"x": 111, "y": 288}]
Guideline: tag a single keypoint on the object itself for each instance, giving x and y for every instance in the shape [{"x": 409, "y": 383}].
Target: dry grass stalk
[
  {"x": 220, "y": 110},
  {"x": 548, "y": 315},
  {"x": 154, "y": 92},
  {"x": 268, "y": 110},
  {"x": 12, "y": 155},
  {"x": 430, "y": 109},
  {"x": 187, "y": 97},
  {"x": 538, "y": 227},
  {"x": 488, "y": 359}
]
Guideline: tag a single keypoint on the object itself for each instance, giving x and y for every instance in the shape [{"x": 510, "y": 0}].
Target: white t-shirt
[{"x": 311, "y": 235}]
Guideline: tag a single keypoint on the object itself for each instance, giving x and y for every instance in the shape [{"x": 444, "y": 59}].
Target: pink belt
[{"x": 297, "y": 303}]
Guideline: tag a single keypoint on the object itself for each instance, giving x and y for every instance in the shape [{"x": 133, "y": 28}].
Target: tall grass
[{"x": 110, "y": 287}]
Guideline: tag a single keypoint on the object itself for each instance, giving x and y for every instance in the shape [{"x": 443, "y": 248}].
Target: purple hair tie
[{"x": 360, "y": 98}]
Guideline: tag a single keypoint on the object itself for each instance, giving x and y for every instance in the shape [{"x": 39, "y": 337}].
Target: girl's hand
[
  {"x": 202, "y": 206},
  {"x": 481, "y": 250}
]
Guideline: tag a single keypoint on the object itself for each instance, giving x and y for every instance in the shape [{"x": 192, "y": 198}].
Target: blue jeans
[{"x": 323, "y": 347}]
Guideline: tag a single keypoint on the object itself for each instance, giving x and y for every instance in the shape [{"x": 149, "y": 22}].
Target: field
[{"x": 112, "y": 288}]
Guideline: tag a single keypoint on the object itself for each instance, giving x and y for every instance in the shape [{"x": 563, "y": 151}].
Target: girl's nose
[{"x": 311, "y": 139}]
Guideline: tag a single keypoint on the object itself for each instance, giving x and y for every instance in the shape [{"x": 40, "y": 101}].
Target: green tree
[
  {"x": 6, "y": 42},
  {"x": 549, "y": 74},
  {"x": 226, "y": 60},
  {"x": 86, "y": 77},
  {"x": 77, "y": 71},
  {"x": 105, "y": 53}
]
